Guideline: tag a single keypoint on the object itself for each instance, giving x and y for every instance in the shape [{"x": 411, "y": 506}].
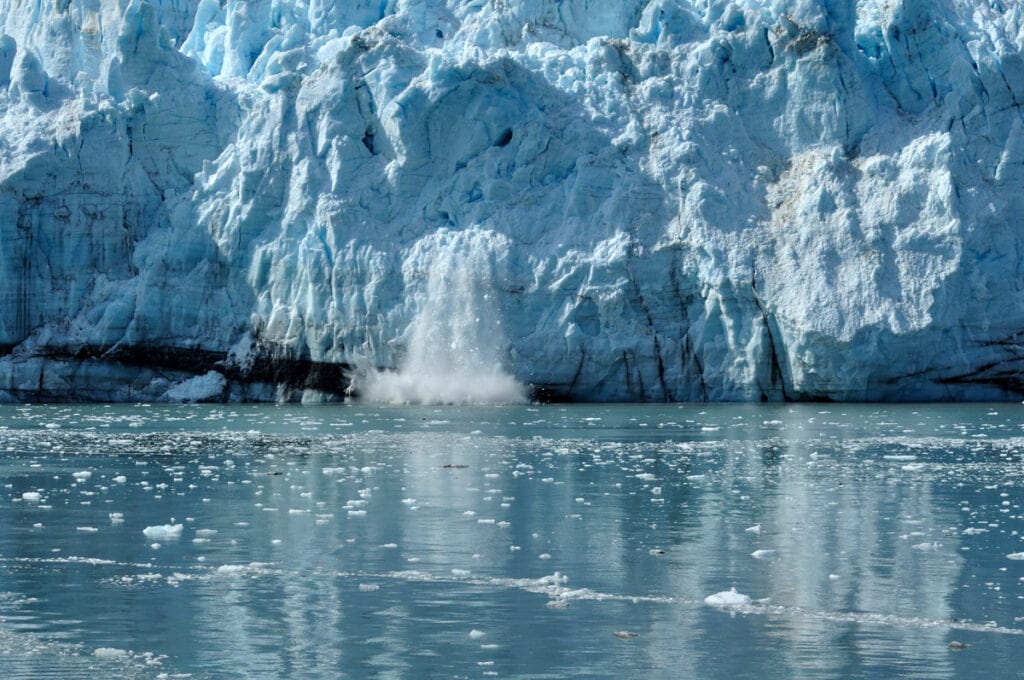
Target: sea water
[{"x": 356, "y": 541}]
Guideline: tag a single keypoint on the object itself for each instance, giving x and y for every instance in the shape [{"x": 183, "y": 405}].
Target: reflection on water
[{"x": 349, "y": 541}]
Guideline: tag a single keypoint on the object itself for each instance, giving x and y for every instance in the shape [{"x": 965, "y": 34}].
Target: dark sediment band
[{"x": 268, "y": 366}]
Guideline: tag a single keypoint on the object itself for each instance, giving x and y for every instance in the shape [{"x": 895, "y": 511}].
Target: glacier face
[{"x": 632, "y": 200}]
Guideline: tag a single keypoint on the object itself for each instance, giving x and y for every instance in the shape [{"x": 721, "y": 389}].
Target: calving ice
[
  {"x": 461, "y": 201},
  {"x": 454, "y": 339}
]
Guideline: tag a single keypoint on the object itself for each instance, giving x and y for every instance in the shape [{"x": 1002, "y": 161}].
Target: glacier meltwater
[{"x": 493, "y": 200}]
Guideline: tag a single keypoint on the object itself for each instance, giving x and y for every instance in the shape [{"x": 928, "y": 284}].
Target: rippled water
[{"x": 534, "y": 542}]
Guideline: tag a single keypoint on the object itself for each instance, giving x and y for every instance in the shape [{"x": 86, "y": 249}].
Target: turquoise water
[{"x": 531, "y": 542}]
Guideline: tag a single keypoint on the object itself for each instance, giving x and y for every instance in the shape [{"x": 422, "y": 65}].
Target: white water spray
[{"x": 455, "y": 342}]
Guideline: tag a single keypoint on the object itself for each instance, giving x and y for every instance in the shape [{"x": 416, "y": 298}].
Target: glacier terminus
[{"x": 463, "y": 200}]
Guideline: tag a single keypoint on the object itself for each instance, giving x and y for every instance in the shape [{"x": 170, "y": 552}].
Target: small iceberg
[
  {"x": 727, "y": 598},
  {"x": 110, "y": 653},
  {"x": 231, "y": 569},
  {"x": 164, "y": 532}
]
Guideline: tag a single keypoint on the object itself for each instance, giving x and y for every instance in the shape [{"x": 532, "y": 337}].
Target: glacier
[{"x": 635, "y": 200}]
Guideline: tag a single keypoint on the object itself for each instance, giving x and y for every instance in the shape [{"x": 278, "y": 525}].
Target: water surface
[{"x": 534, "y": 542}]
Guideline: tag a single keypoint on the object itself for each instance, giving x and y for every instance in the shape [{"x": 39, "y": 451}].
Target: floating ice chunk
[
  {"x": 120, "y": 479},
  {"x": 368, "y": 587},
  {"x": 110, "y": 653},
  {"x": 727, "y": 598},
  {"x": 357, "y": 513},
  {"x": 88, "y": 530},
  {"x": 206, "y": 533},
  {"x": 476, "y": 634},
  {"x": 116, "y": 517},
  {"x": 231, "y": 569},
  {"x": 31, "y": 496},
  {"x": 756, "y": 529},
  {"x": 926, "y": 546},
  {"x": 82, "y": 476},
  {"x": 164, "y": 532},
  {"x": 762, "y": 554},
  {"x": 1016, "y": 556},
  {"x": 833, "y": 577}
]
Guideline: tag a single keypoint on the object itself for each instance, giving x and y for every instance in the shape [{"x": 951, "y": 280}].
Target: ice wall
[{"x": 683, "y": 199}]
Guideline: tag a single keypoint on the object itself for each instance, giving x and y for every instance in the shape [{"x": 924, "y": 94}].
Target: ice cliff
[{"x": 628, "y": 200}]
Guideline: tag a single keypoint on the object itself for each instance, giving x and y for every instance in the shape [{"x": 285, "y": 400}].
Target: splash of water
[{"x": 455, "y": 342}]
